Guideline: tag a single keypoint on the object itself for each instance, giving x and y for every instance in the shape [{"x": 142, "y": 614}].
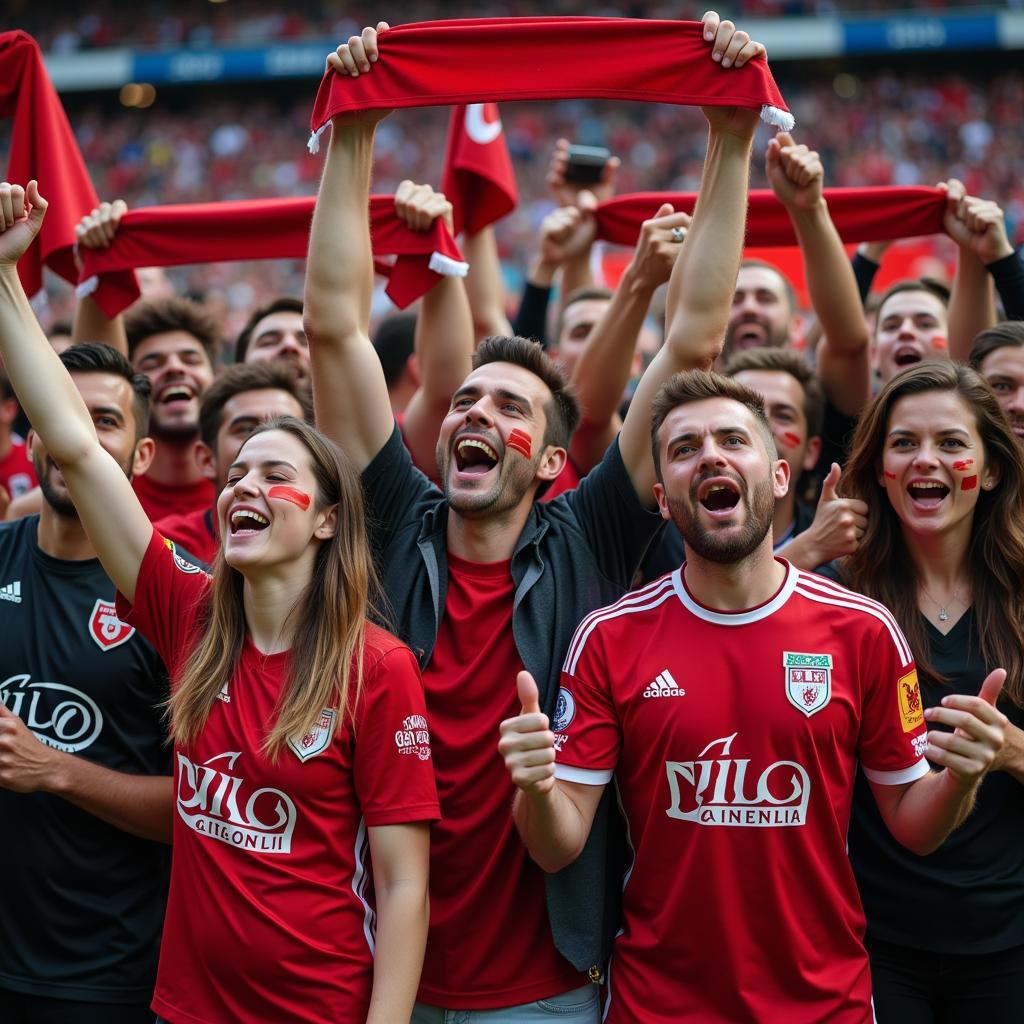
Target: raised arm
[
  {"x": 103, "y": 495},
  {"x": 698, "y": 303},
  {"x": 796, "y": 175},
  {"x": 350, "y": 394},
  {"x": 444, "y": 335},
  {"x": 484, "y": 286},
  {"x": 96, "y": 230}
]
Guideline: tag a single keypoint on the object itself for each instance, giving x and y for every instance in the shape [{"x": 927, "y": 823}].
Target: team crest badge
[
  {"x": 318, "y": 739},
  {"x": 106, "y": 628},
  {"x": 808, "y": 680}
]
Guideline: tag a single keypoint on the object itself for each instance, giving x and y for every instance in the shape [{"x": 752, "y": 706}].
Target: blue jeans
[{"x": 580, "y": 1006}]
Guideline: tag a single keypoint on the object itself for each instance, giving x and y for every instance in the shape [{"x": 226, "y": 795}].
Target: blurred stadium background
[{"x": 196, "y": 101}]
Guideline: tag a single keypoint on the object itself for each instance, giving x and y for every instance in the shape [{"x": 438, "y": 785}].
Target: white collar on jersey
[{"x": 741, "y": 618}]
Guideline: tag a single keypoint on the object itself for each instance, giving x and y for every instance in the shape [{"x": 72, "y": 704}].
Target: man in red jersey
[{"x": 732, "y": 701}]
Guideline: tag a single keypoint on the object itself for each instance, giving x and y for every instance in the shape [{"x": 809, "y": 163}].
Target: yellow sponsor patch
[{"x": 911, "y": 710}]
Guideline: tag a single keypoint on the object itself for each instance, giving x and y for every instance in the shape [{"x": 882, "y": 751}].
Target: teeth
[
  {"x": 717, "y": 487},
  {"x": 240, "y": 514},
  {"x": 929, "y": 485},
  {"x": 172, "y": 393},
  {"x": 483, "y": 446}
]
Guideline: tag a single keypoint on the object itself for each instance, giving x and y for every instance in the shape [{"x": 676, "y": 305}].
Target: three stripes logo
[
  {"x": 11, "y": 592},
  {"x": 664, "y": 686}
]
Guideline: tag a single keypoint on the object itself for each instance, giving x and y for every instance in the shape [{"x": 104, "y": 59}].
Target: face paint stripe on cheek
[
  {"x": 889, "y": 476},
  {"x": 968, "y": 483},
  {"x": 520, "y": 441},
  {"x": 963, "y": 464},
  {"x": 793, "y": 440},
  {"x": 938, "y": 341},
  {"x": 292, "y": 494}
]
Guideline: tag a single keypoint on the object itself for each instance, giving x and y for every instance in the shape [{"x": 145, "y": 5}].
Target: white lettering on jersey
[
  {"x": 724, "y": 790},
  {"x": 664, "y": 685},
  {"x": 920, "y": 744},
  {"x": 413, "y": 737},
  {"x": 58, "y": 715},
  {"x": 210, "y": 803}
]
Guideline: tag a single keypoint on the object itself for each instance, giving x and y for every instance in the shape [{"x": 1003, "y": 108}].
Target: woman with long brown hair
[
  {"x": 943, "y": 476},
  {"x": 301, "y": 744}
]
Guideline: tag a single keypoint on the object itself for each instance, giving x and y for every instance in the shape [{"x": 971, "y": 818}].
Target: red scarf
[
  {"x": 859, "y": 214},
  {"x": 474, "y": 60},
  {"x": 478, "y": 177},
  {"x": 259, "y": 229},
  {"x": 43, "y": 147}
]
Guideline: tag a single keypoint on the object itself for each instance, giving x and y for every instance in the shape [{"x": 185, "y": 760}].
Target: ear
[
  {"x": 552, "y": 462},
  {"x": 145, "y": 449},
  {"x": 992, "y": 475},
  {"x": 662, "y": 500},
  {"x": 797, "y": 330},
  {"x": 30, "y": 442},
  {"x": 813, "y": 452},
  {"x": 328, "y": 526},
  {"x": 780, "y": 478},
  {"x": 206, "y": 461}
]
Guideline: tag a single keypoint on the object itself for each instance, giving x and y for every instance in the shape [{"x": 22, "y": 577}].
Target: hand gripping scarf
[
  {"x": 478, "y": 177},
  {"x": 475, "y": 60},
  {"x": 859, "y": 214},
  {"x": 43, "y": 147},
  {"x": 259, "y": 229}
]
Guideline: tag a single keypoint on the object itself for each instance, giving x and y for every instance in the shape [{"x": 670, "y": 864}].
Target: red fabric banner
[
  {"x": 476, "y": 60},
  {"x": 478, "y": 177},
  {"x": 859, "y": 214},
  {"x": 259, "y": 229},
  {"x": 43, "y": 147}
]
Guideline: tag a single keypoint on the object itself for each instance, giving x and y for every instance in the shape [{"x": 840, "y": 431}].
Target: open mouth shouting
[
  {"x": 245, "y": 521},
  {"x": 906, "y": 355},
  {"x": 719, "y": 496},
  {"x": 927, "y": 494},
  {"x": 749, "y": 334},
  {"x": 474, "y": 456},
  {"x": 175, "y": 395}
]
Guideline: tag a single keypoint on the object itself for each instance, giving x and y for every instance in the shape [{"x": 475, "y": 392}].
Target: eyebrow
[
  {"x": 469, "y": 390},
  {"x": 107, "y": 410},
  {"x": 265, "y": 464},
  {"x": 246, "y": 417},
  {"x": 718, "y": 432},
  {"x": 903, "y": 432}
]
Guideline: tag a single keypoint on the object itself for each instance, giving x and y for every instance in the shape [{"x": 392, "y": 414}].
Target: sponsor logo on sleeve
[
  {"x": 911, "y": 711},
  {"x": 413, "y": 738},
  {"x": 565, "y": 710},
  {"x": 58, "y": 715},
  {"x": 808, "y": 679},
  {"x": 106, "y": 628},
  {"x": 920, "y": 744},
  {"x": 318, "y": 739},
  {"x": 181, "y": 563}
]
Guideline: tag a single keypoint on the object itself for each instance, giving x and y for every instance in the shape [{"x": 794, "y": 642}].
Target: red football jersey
[
  {"x": 734, "y": 738},
  {"x": 17, "y": 475},
  {"x": 270, "y": 915},
  {"x": 195, "y": 531},
  {"x": 159, "y": 500}
]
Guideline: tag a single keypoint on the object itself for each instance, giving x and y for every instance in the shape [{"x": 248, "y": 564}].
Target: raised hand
[
  {"x": 732, "y": 48},
  {"x": 527, "y": 743},
  {"x": 568, "y": 231},
  {"x": 795, "y": 172},
  {"x": 659, "y": 246},
  {"x": 418, "y": 206},
  {"x": 839, "y": 523},
  {"x": 358, "y": 53},
  {"x": 21, "y": 217},
  {"x": 568, "y": 194},
  {"x": 974, "y": 223},
  {"x": 972, "y": 749}
]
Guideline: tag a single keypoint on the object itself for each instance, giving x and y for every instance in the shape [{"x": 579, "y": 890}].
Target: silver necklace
[{"x": 943, "y": 608}]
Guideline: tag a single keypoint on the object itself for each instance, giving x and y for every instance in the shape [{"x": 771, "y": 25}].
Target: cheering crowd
[{"x": 663, "y": 665}]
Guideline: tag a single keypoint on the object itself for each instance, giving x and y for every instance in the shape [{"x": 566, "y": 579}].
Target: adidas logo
[
  {"x": 664, "y": 686},
  {"x": 12, "y": 592}
]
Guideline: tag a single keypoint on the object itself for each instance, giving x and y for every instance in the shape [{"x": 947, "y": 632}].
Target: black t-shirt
[
  {"x": 967, "y": 896},
  {"x": 83, "y": 902}
]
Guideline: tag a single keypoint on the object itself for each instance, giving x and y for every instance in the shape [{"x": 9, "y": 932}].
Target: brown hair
[
  {"x": 917, "y": 284},
  {"x": 269, "y": 373},
  {"x": 588, "y": 293},
  {"x": 785, "y": 360},
  {"x": 563, "y": 411},
  {"x": 787, "y": 285},
  {"x": 882, "y": 568},
  {"x": 1008, "y": 334},
  {"x": 93, "y": 357},
  {"x": 156, "y": 316},
  {"x": 329, "y": 620},
  {"x": 699, "y": 386},
  {"x": 284, "y": 304}
]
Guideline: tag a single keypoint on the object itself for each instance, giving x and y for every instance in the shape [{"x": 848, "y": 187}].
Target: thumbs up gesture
[
  {"x": 978, "y": 735},
  {"x": 527, "y": 743},
  {"x": 839, "y": 524},
  {"x": 21, "y": 217}
]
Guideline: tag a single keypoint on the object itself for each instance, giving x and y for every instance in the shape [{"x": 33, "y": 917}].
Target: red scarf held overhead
[
  {"x": 859, "y": 214},
  {"x": 43, "y": 147},
  {"x": 474, "y": 60},
  {"x": 478, "y": 177},
  {"x": 259, "y": 229}
]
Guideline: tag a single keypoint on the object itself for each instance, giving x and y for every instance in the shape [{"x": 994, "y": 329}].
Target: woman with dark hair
[
  {"x": 943, "y": 475},
  {"x": 299, "y": 729}
]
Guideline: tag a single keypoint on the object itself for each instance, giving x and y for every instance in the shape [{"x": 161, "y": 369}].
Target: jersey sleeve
[
  {"x": 167, "y": 596},
  {"x": 588, "y": 735},
  {"x": 893, "y": 736},
  {"x": 393, "y": 767}
]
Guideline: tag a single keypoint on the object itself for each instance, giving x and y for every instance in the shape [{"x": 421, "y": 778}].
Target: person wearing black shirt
[
  {"x": 85, "y": 793},
  {"x": 943, "y": 474}
]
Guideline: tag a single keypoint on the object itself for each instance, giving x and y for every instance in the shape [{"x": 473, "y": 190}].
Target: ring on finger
[{"x": 678, "y": 234}]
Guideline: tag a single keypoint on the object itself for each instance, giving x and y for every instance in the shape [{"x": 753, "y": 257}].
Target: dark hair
[
  {"x": 92, "y": 357},
  {"x": 882, "y": 568},
  {"x": 394, "y": 342},
  {"x": 588, "y": 293},
  {"x": 917, "y": 284},
  {"x": 699, "y": 386},
  {"x": 1008, "y": 334},
  {"x": 157, "y": 316},
  {"x": 785, "y": 360},
  {"x": 563, "y": 411},
  {"x": 268, "y": 373},
  {"x": 787, "y": 285},
  {"x": 6, "y": 387},
  {"x": 59, "y": 328},
  {"x": 284, "y": 304}
]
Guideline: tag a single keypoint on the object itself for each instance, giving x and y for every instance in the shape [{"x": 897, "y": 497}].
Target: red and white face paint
[
  {"x": 518, "y": 440},
  {"x": 285, "y": 493}
]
